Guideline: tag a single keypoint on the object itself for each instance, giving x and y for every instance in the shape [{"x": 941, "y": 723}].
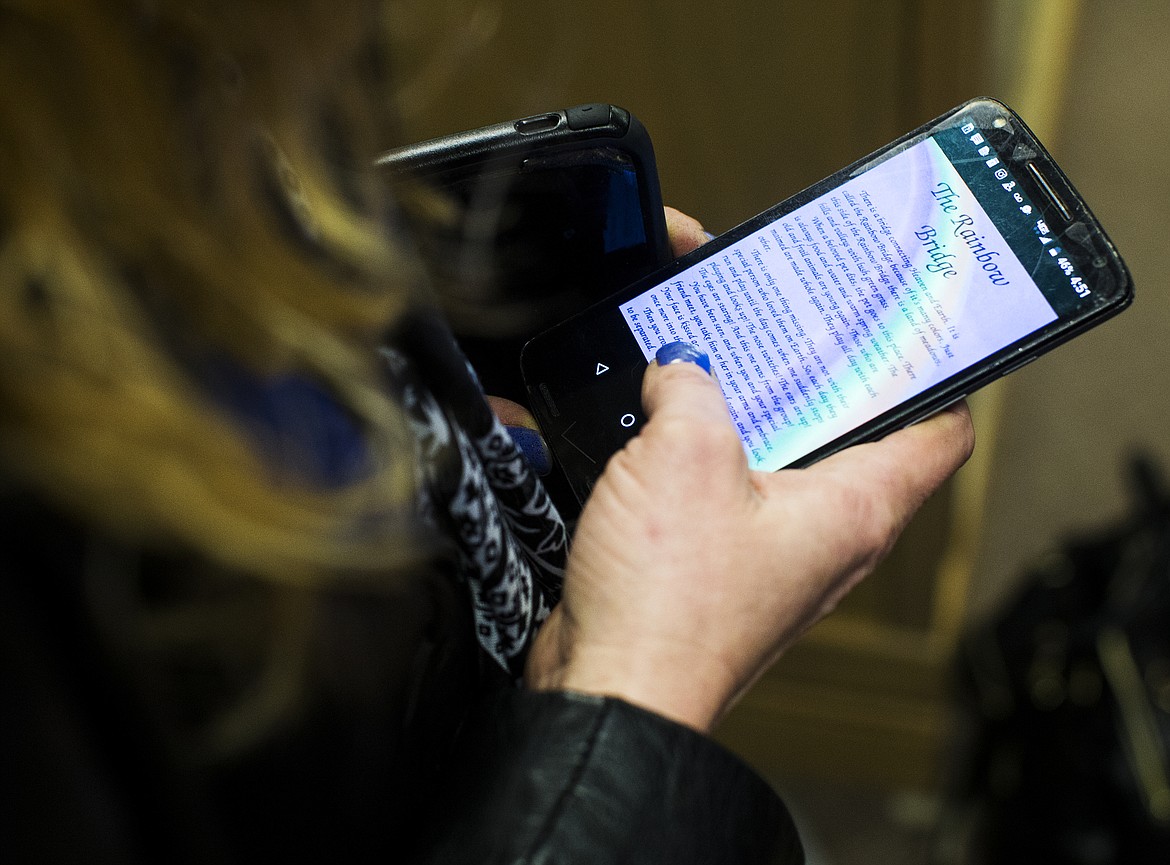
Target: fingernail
[
  {"x": 708, "y": 235},
  {"x": 531, "y": 444},
  {"x": 682, "y": 352}
]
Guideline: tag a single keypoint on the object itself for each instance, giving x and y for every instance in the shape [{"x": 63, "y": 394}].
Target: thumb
[
  {"x": 679, "y": 386},
  {"x": 688, "y": 426}
]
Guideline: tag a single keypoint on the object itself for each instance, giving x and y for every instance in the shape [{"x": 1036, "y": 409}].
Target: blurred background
[{"x": 748, "y": 103}]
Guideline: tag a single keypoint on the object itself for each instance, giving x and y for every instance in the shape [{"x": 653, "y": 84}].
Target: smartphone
[
  {"x": 533, "y": 220},
  {"x": 871, "y": 300}
]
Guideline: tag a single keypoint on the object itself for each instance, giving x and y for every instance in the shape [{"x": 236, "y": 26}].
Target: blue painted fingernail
[
  {"x": 682, "y": 352},
  {"x": 531, "y": 444}
]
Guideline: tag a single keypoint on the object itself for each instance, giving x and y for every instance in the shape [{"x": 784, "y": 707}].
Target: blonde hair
[{"x": 142, "y": 148}]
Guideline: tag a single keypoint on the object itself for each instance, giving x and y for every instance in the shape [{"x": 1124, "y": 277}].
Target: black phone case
[
  {"x": 553, "y": 212},
  {"x": 509, "y": 148}
]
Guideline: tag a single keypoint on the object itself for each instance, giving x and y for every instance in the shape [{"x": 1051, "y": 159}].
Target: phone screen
[
  {"x": 852, "y": 303},
  {"x": 841, "y": 306}
]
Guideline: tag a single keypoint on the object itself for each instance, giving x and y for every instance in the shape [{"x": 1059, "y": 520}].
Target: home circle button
[{"x": 628, "y": 420}]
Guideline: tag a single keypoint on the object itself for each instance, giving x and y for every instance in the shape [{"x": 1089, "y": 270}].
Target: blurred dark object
[
  {"x": 1069, "y": 692},
  {"x": 529, "y": 222},
  {"x": 525, "y": 223}
]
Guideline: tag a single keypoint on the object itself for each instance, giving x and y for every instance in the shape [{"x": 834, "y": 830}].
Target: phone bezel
[{"x": 1081, "y": 234}]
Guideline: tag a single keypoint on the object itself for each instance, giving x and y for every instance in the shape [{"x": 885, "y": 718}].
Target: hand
[
  {"x": 690, "y": 574},
  {"x": 686, "y": 234}
]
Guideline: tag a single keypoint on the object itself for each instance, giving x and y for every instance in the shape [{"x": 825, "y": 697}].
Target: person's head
[{"x": 185, "y": 203}]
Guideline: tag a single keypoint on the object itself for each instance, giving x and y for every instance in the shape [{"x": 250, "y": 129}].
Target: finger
[
  {"x": 679, "y": 385},
  {"x": 933, "y": 448},
  {"x": 523, "y": 429},
  {"x": 686, "y": 232},
  {"x": 511, "y": 413},
  {"x": 907, "y": 466}
]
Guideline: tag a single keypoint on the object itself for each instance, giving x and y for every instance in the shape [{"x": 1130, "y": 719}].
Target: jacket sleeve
[{"x": 568, "y": 778}]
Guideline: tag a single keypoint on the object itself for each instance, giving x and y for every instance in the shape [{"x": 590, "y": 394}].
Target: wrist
[{"x": 671, "y": 687}]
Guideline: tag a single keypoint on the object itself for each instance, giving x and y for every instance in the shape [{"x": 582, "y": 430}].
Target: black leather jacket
[{"x": 411, "y": 739}]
